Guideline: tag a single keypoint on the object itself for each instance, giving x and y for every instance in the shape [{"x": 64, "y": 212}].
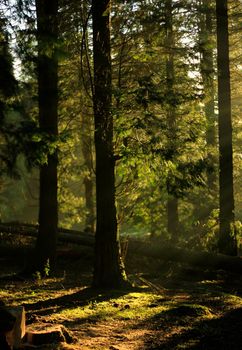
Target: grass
[
  {"x": 167, "y": 310},
  {"x": 132, "y": 306}
]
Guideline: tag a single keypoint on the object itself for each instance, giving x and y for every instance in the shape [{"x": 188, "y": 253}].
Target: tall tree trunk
[
  {"x": 108, "y": 268},
  {"x": 47, "y": 33},
  {"x": 227, "y": 239},
  {"x": 207, "y": 71},
  {"x": 88, "y": 182},
  {"x": 172, "y": 201},
  {"x": 87, "y": 124}
]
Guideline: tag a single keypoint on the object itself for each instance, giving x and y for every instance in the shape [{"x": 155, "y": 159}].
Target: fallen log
[
  {"x": 158, "y": 250},
  {"x": 202, "y": 259},
  {"x": 64, "y": 235}
]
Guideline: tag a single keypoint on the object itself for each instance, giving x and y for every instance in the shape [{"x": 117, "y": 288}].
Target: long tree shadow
[{"x": 209, "y": 334}]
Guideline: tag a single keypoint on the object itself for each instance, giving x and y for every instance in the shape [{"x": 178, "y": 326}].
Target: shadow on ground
[{"x": 217, "y": 333}]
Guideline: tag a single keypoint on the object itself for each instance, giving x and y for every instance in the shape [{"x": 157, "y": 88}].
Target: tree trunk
[
  {"x": 108, "y": 268},
  {"x": 87, "y": 151},
  {"x": 172, "y": 201},
  {"x": 47, "y": 32},
  {"x": 207, "y": 71},
  {"x": 227, "y": 240},
  {"x": 89, "y": 190},
  {"x": 85, "y": 81},
  {"x": 172, "y": 218}
]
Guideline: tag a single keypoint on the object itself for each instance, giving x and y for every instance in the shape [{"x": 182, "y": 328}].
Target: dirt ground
[{"x": 171, "y": 306}]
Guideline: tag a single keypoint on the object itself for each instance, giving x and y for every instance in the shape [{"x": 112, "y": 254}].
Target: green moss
[
  {"x": 131, "y": 306},
  {"x": 232, "y": 300}
]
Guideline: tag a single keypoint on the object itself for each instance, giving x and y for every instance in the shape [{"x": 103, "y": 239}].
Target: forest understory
[
  {"x": 170, "y": 306},
  {"x": 120, "y": 127}
]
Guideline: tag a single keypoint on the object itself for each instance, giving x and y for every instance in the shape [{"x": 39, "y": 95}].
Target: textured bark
[
  {"x": 89, "y": 191},
  {"x": 108, "y": 268},
  {"x": 87, "y": 148},
  {"x": 87, "y": 125},
  {"x": 207, "y": 71},
  {"x": 227, "y": 240},
  {"x": 47, "y": 33}
]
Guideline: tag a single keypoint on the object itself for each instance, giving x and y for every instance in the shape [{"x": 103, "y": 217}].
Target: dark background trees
[{"x": 8, "y": 89}]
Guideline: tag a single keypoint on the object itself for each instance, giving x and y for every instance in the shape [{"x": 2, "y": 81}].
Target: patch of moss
[
  {"x": 130, "y": 306},
  {"x": 232, "y": 300}
]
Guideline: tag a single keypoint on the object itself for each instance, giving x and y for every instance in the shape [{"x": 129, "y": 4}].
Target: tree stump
[
  {"x": 45, "y": 333},
  {"x": 12, "y": 327}
]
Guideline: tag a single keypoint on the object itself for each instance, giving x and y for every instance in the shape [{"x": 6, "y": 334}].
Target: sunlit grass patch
[
  {"x": 132, "y": 306},
  {"x": 189, "y": 344},
  {"x": 4, "y": 294},
  {"x": 231, "y": 300},
  {"x": 209, "y": 282},
  {"x": 223, "y": 301},
  {"x": 30, "y": 292},
  {"x": 25, "y": 296}
]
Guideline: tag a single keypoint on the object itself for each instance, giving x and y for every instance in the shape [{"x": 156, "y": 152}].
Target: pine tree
[
  {"x": 108, "y": 269},
  {"x": 227, "y": 238},
  {"x": 47, "y": 34}
]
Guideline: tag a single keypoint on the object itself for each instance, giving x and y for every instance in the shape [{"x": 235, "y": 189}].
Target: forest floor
[{"x": 171, "y": 306}]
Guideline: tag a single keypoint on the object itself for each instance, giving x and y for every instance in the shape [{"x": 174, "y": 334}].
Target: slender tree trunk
[
  {"x": 172, "y": 218},
  {"x": 47, "y": 32},
  {"x": 87, "y": 124},
  {"x": 108, "y": 268},
  {"x": 87, "y": 147},
  {"x": 207, "y": 71},
  {"x": 172, "y": 201},
  {"x": 227, "y": 239}
]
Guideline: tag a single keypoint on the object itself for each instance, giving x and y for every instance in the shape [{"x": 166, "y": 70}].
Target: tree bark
[
  {"x": 108, "y": 268},
  {"x": 87, "y": 136},
  {"x": 207, "y": 72},
  {"x": 172, "y": 218},
  {"x": 47, "y": 34},
  {"x": 89, "y": 191},
  {"x": 227, "y": 239}
]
